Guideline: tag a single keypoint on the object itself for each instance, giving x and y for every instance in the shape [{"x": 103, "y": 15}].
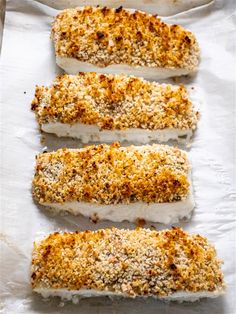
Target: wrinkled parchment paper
[{"x": 27, "y": 59}]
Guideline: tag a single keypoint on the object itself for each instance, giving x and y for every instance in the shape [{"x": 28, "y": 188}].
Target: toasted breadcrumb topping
[
  {"x": 105, "y": 36},
  {"x": 110, "y": 174},
  {"x": 114, "y": 102},
  {"x": 139, "y": 262}
]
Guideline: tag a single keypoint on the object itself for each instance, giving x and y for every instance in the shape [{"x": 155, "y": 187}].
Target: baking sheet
[{"x": 27, "y": 59}]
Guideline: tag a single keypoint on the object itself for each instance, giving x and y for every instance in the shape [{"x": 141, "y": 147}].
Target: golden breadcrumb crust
[
  {"x": 139, "y": 262},
  {"x": 114, "y": 102},
  {"x": 105, "y": 36},
  {"x": 110, "y": 174}
]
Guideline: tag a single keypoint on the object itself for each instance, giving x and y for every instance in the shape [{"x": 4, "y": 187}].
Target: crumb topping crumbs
[
  {"x": 110, "y": 174},
  {"x": 105, "y": 36},
  {"x": 139, "y": 262},
  {"x": 114, "y": 102}
]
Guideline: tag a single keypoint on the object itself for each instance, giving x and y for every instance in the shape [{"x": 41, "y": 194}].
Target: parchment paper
[{"x": 27, "y": 59}]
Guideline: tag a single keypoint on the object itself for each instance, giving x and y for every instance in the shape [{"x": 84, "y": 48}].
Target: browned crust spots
[
  {"x": 110, "y": 174},
  {"x": 105, "y": 36},
  {"x": 114, "y": 102},
  {"x": 139, "y": 262}
]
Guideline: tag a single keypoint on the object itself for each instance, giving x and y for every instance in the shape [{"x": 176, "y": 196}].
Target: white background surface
[{"x": 28, "y": 59}]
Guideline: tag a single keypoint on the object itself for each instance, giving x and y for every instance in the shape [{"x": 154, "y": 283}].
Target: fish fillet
[
  {"x": 169, "y": 265},
  {"x": 116, "y": 183},
  {"x": 106, "y": 108},
  {"x": 122, "y": 41}
]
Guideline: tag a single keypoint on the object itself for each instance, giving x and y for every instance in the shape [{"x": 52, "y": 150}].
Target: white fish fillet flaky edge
[
  {"x": 160, "y": 7},
  {"x": 92, "y": 134},
  {"x": 74, "y": 66},
  {"x": 166, "y": 213},
  {"x": 75, "y": 296}
]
